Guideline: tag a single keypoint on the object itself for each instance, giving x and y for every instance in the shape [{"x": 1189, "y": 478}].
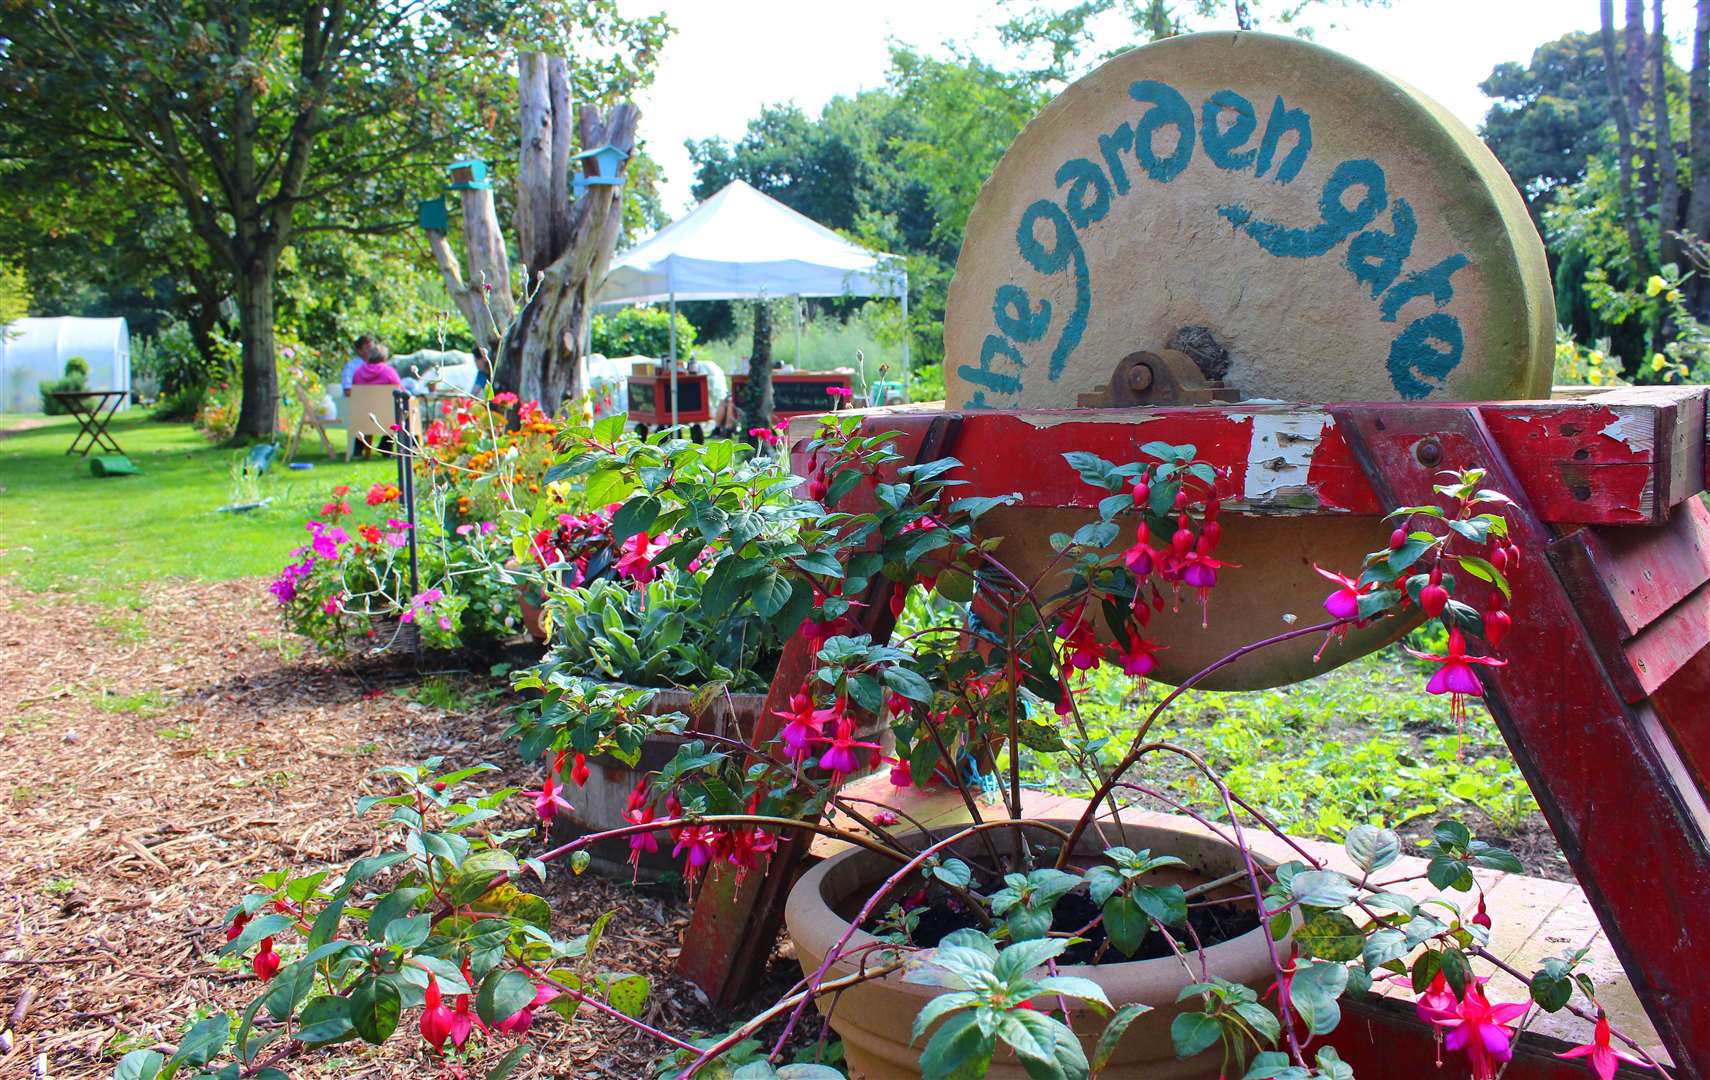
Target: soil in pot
[{"x": 1211, "y": 924}]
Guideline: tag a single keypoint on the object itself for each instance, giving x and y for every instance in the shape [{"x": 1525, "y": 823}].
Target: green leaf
[
  {"x": 936, "y": 1007},
  {"x": 1125, "y": 924},
  {"x": 1322, "y": 888},
  {"x": 326, "y": 923},
  {"x": 633, "y": 517},
  {"x": 910, "y": 684},
  {"x": 1274, "y": 1065},
  {"x": 628, "y": 994},
  {"x": 1260, "y": 1019},
  {"x": 1102, "y": 882},
  {"x": 503, "y": 995},
  {"x": 1166, "y": 903},
  {"x": 1498, "y": 859},
  {"x": 770, "y": 592},
  {"x": 1551, "y": 993},
  {"x": 1382, "y": 946},
  {"x": 204, "y": 1040},
  {"x": 288, "y": 989},
  {"x": 1314, "y": 991},
  {"x": 324, "y": 1020},
  {"x": 363, "y": 869},
  {"x": 1457, "y": 971},
  {"x": 953, "y": 872},
  {"x": 265, "y": 926},
  {"x": 1113, "y": 1032},
  {"x": 1484, "y": 571},
  {"x": 1024, "y": 956},
  {"x": 1330, "y": 935},
  {"x": 1194, "y": 1033},
  {"x": 139, "y": 1065},
  {"x": 958, "y": 1050},
  {"x": 508, "y": 1064},
  {"x": 394, "y": 905},
  {"x": 1372, "y": 848},
  {"x": 374, "y": 1008},
  {"x": 410, "y": 932},
  {"x": 1331, "y": 1066}
]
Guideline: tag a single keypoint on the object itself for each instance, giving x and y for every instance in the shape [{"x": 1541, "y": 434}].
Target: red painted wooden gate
[{"x": 1606, "y": 700}]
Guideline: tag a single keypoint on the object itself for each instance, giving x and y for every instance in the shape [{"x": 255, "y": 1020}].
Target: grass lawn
[{"x": 65, "y": 530}]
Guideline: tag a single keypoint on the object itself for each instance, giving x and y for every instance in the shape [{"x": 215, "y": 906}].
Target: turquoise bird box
[
  {"x": 599, "y": 168},
  {"x": 432, "y": 214},
  {"x": 468, "y": 175}
]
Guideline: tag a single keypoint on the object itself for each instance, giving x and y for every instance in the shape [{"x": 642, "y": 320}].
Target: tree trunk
[
  {"x": 1624, "y": 140},
  {"x": 1668, "y": 177},
  {"x": 1633, "y": 93},
  {"x": 259, "y": 416},
  {"x": 757, "y": 397},
  {"x": 1698, "y": 152}
]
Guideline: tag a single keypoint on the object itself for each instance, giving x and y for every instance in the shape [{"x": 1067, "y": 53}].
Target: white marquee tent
[
  {"x": 744, "y": 245},
  {"x": 34, "y": 351}
]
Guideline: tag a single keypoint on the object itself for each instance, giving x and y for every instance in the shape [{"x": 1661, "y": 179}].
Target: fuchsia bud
[
  {"x": 1181, "y": 499},
  {"x": 579, "y": 771},
  {"x": 1182, "y": 541},
  {"x": 1433, "y": 599},
  {"x": 1142, "y": 493},
  {"x": 1211, "y": 533},
  {"x": 816, "y": 487},
  {"x": 1482, "y": 918},
  {"x": 237, "y": 926},
  {"x": 1397, "y": 539},
  {"x": 1499, "y": 558},
  {"x": 1496, "y": 627},
  {"x": 436, "y": 1018},
  {"x": 266, "y": 962}
]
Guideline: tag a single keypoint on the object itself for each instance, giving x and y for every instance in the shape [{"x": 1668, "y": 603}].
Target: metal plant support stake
[{"x": 404, "y": 443}]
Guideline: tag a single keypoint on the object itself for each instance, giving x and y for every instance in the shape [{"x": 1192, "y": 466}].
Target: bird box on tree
[
  {"x": 468, "y": 175},
  {"x": 432, "y": 214}
]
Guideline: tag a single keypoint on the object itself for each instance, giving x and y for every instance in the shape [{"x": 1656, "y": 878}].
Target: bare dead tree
[{"x": 565, "y": 243}]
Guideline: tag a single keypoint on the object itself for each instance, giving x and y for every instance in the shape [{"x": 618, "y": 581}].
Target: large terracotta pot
[
  {"x": 875, "y": 1018},
  {"x": 600, "y": 802}
]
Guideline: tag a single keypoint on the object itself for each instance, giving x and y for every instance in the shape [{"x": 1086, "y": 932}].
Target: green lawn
[{"x": 64, "y": 530}]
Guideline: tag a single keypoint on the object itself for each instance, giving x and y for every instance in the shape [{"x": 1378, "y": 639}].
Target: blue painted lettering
[
  {"x": 1112, "y": 147},
  {"x": 1064, "y": 251},
  {"x": 1434, "y": 283},
  {"x": 1283, "y": 121},
  {"x": 1222, "y": 143},
  {"x": 1430, "y": 348},
  {"x": 1169, "y": 109},
  {"x": 984, "y": 376},
  {"x": 1089, "y": 197},
  {"x": 1339, "y": 219},
  {"x": 1016, "y": 317},
  {"x": 1375, "y": 257}
]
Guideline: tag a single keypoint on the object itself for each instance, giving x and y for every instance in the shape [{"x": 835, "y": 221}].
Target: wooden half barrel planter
[{"x": 875, "y": 1019}]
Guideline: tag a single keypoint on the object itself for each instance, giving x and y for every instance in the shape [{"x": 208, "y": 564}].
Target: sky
[{"x": 729, "y": 58}]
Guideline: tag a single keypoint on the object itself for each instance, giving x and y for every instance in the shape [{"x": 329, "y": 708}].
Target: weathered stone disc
[{"x": 1342, "y": 236}]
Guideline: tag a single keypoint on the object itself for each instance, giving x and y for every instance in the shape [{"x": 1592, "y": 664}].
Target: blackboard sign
[
  {"x": 650, "y": 399},
  {"x": 801, "y": 393}
]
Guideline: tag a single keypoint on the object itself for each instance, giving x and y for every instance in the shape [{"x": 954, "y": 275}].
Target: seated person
[
  {"x": 364, "y": 345},
  {"x": 376, "y": 370}
]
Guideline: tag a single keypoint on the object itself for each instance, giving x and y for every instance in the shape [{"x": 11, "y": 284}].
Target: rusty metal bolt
[
  {"x": 1140, "y": 378},
  {"x": 1429, "y": 453}
]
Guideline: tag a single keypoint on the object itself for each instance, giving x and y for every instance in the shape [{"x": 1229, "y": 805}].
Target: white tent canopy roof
[{"x": 741, "y": 244}]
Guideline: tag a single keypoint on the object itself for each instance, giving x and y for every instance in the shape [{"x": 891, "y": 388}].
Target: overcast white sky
[{"x": 730, "y": 57}]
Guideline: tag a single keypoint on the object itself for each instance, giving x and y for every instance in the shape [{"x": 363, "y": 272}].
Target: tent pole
[
  {"x": 673, "y": 332},
  {"x": 905, "y": 372},
  {"x": 798, "y": 360}
]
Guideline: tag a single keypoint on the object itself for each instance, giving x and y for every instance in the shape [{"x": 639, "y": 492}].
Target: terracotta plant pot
[
  {"x": 875, "y": 1018},
  {"x": 532, "y": 601},
  {"x": 600, "y": 802}
]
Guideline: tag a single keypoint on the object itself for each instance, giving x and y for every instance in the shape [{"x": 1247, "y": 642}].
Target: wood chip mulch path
[{"x": 154, "y": 763}]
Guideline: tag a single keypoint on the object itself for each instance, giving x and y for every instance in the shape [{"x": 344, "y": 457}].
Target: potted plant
[{"x": 1056, "y": 947}]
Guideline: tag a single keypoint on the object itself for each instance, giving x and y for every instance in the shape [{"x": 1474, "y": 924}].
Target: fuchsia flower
[
  {"x": 1080, "y": 642},
  {"x": 636, "y": 562},
  {"x": 266, "y": 962},
  {"x": 902, "y": 776},
  {"x": 1142, "y": 556},
  {"x": 523, "y": 1018},
  {"x": 437, "y": 1020},
  {"x": 840, "y": 757},
  {"x": 804, "y": 724},
  {"x": 1455, "y": 677},
  {"x": 698, "y": 845},
  {"x": 1484, "y": 1031},
  {"x": 547, "y": 801},
  {"x": 1438, "y": 1002},
  {"x": 1605, "y": 1059},
  {"x": 1344, "y": 603},
  {"x": 639, "y": 811},
  {"x": 1140, "y": 657}
]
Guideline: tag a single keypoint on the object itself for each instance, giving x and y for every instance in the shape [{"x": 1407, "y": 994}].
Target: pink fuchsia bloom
[
  {"x": 1344, "y": 603},
  {"x": 437, "y": 1020},
  {"x": 523, "y": 1019},
  {"x": 1438, "y": 1002},
  {"x": 636, "y": 562},
  {"x": 769, "y": 436},
  {"x": 1605, "y": 1059},
  {"x": 547, "y": 801},
  {"x": 698, "y": 846},
  {"x": 803, "y": 724},
  {"x": 1142, "y": 556},
  {"x": 1485, "y": 1032},
  {"x": 266, "y": 962},
  {"x": 1455, "y": 677},
  {"x": 902, "y": 776},
  {"x": 1140, "y": 656},
  {"x": 840, "y": 757}
]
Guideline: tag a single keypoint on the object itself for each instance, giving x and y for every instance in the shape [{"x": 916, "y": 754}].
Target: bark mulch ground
[{"x": 154, "y": 762}]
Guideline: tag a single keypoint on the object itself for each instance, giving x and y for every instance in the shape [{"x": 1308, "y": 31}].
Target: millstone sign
[{"x": 1268, "y": 220}]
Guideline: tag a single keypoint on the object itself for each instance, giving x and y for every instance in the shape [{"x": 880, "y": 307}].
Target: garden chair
[
  {"x": 368, "y": 415},
  {"x": 308, "y": 419}
]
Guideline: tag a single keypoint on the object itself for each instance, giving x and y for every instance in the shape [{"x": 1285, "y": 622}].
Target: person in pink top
[{"x": 375, "y": 371}]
